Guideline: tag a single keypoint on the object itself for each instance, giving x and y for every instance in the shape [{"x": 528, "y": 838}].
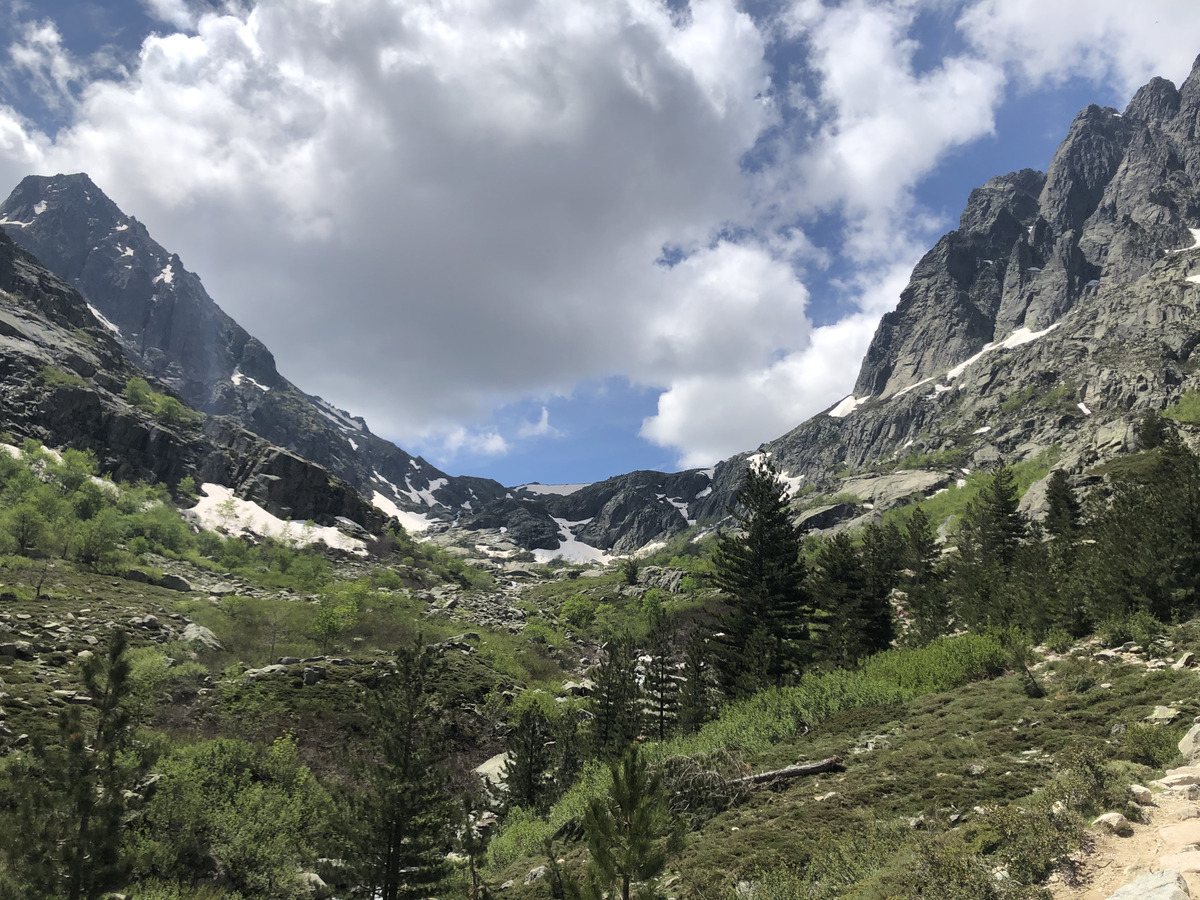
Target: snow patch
[
  {"x": 558, "y": 490},
  {"x": 350, "y": 441},
  {"x": 1194, "y": 279},
  {"x": 237, "y": 378},
  {"x": 704, "y": 493},
  {"x": 1195, "y": 242},
  {"x": 121, "y": 228},
  {"x": 39, "y": 207},
  {"x": 125, "y": 251},
  {"x": 15, "y": 222},
  {"x": 912, "y": 387},
  {"x": 570, "y": 549},
  {"x": 1018, "y": 338},
  {"x": 166, "y": 276},
  {"x": 1083, "y": 408},
  {"x": 984, "y": 430},
  {"x": 220, "y": 507},
  {"x": 412, "y": 522},
  {"x": 103, "y": 321},
  {"x": 847, "y": 406},
  {"x": 338, "y": 417},
  {"x": 426, "y": 495},
  {"x": 792, "y": 482}
]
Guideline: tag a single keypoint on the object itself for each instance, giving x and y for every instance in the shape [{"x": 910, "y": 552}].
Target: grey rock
[
  {"x": 1189, "y": 745},
  {"x": 198, "y": 633},
  {"x": 536, "y": 874},
  {"x": 176, "y": 583},
  {"x": 1154, "y": 886}
]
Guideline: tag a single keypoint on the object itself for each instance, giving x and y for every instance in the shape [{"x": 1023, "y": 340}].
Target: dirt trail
[{"x": 1163, "y": 841}]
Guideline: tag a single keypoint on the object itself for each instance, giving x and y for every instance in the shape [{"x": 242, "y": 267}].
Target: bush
[
  {"x": 1139, "y": 627},
  {"x": 1150, "y": 745}
]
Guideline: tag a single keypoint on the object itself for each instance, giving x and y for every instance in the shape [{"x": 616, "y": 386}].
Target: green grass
[{"x": 1185, "y": 409}]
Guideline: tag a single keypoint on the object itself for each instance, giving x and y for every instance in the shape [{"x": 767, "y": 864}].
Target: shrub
[{"x": 1150, "y": 745}]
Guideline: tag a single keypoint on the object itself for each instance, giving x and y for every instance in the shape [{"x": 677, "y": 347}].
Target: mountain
[
  {"x": 1064, "y": 306},
  {"x": 62, "y": 377},
  {"x": 1061, "y": 309},
  {"x": 170, "y": 327}
]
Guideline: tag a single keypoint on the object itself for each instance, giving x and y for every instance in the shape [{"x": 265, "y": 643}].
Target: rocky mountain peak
[{"x": 1154, "y": 103}]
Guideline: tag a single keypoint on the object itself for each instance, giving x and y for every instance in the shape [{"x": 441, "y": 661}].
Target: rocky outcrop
[{"x": 61, "y": 382}]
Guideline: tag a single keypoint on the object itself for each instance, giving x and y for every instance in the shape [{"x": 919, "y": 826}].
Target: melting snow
[
  {"x": 912, "y": 387},
  {"x": 847, "y": 406},
  {"x": 1195, "y": 279},
  {"x": 1033, "y": 269},
  {"x": 220, "y": 507},
  {"x": 424, "y": 496},
  {"x": 792, "y": 482},
  {"x": 704, "y": 493},
  {"x": 338, "y": 417},
  {"x": 679, "y": 505},
  {"x": 103, "y": 321},
  {"x": 1018, "y": 338},
  {"x": 121, "y": 228},
  {"x": 237, "y": 378},
  {"x": 414, "y": 522},
  {"x": 125, "y": 251},
  {"x": 1083, "y": 408},
  {"x": 350, "y": 441},
  {"x": 558, "y": 490},
  {"x": 166, "y": 276},
  {"x": 984, "y": 430},
  {"x": 39, "y": 208},
  {"x": 1195, "y": 242},
  {"x": 570, "y": 549},
  {"x": 15, "y": 222}
]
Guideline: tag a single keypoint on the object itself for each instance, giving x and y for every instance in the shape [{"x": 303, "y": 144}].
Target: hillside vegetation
[{"x": 195, "y": 714}]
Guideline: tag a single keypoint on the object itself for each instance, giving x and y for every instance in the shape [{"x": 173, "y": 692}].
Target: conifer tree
[
  {"x": 69, "y": 807},
  {"x": 926, "y": 601},
  {"x": 695, "y": 698},
  {"x": 1062, "y": 513},
  {"x": 401, "y": 813},
  {"x": 990, "y": 535},
  {"x": 528, "y": 759},
  {"x": 839, "y": 589},
  {"x": 616, "y": 699},
  {"x": 661, "y": 684},
  {"x": 762, "y": 575},
  {"x": 629, "y": 831}
]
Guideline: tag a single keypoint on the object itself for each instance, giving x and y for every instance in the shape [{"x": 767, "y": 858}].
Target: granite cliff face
[{"x": 61, "y": 380}]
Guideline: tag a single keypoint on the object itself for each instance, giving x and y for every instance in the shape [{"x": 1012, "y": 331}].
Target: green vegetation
[
  {"x": 959, "y": 756},
  {"x": 167, "y": 409},
  {"x": 52, "y": 377},
  {"x": 1185, "y": 409}
]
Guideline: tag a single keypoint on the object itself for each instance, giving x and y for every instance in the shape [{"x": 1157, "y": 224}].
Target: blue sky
[{"x": 559, "y": 241}]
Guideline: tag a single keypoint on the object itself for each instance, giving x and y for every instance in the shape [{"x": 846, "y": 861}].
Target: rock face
[
  {"x": 61, "y": 378},
  {"x": 169, "y": 327}
]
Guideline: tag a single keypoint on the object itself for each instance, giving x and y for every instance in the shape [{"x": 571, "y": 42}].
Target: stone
[
  {"x": 313, "y": 674},
  {"x": 1182, "y": 835},
  {"x": 176, "y": 583},
  {"x": 194, "y": 633},
  {"x": 1113, "y": 821},
  {"x": 1189, "y": 745},
  {"x": 1155, "y": 886},
  {"x": 1141, "y": 794},
  {"x": 1162, "y": 715},
  {"x": 1187, "y": 861},
  {"x": 536, "y": 874},
  {"x": 1185, "y": 662},
  {"x": 311, "y": 883}
]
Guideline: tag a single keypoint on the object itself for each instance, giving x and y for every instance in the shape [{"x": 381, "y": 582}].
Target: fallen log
[{"x": 833, "y": 764}]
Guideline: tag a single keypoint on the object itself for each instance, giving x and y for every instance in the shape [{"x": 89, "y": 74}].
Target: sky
[{"x": 558, "y": 240}]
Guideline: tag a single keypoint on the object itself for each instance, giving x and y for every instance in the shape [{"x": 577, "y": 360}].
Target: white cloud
[
  {"x": 41, "y": 61},
  {"x": 540, "y": 428},
  {"x": 431, "y": 210},
  {"x": 1103, "y": 40}
]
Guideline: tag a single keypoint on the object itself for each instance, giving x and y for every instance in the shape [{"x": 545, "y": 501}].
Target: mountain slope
[{"x": 61, "y": 381}]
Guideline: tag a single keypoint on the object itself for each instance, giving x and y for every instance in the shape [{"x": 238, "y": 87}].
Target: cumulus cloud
[
  {"x": 432, "y": 210},
  {"x": 540, "y": 428}
]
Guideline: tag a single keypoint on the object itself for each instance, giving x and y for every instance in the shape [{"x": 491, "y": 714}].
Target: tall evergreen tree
[
  {"x": 661, "y": 683},
  {"x": 990, "y": 535},
  {"x": 616, "y": 701},
  {"x": 925, "y": 596},
  {"x": 761, "y": 573},
  {"x": 1062, "y": 512},
  {"x": 854, "y": 621},
  {"x": 69, "y": 803},
  {"x": 401, "y": 813},
  {"x": 695, "y": 698},
  {"x": 529, "y": 757}
]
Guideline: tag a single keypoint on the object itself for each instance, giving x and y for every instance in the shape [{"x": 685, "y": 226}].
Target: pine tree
[
  {"x": 629, "y": 831},
  {"x": 616, "y": 700},
  {"x": 695, "y": 698},
  {"x": 762, "y": 575},
  {"x": 529, "y": 757},
  {"x": 839, "y": 589},
  {"x": 69, "y": 807},
  {"x": 990, "y": 535},
  {"x": 1062, "y": 513},
  {"x": 401, "y": 814},
  {"x": 661, "y": 685},
  {"x": 925, "y": 595}
]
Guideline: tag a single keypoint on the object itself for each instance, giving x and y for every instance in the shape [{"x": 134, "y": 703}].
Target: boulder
[
  {"x": 1113, "y": 821},
  {"x": 200, "y": 634},
  {"x": 1162, "y": 715},
  {"x": 1189, "y": 745},
  {"x": 1141, "y": 794},
  {"x": 176, "y": 583},
  {"x": 1155, "y": 886},
  {"x": 536, "y": 874}
]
